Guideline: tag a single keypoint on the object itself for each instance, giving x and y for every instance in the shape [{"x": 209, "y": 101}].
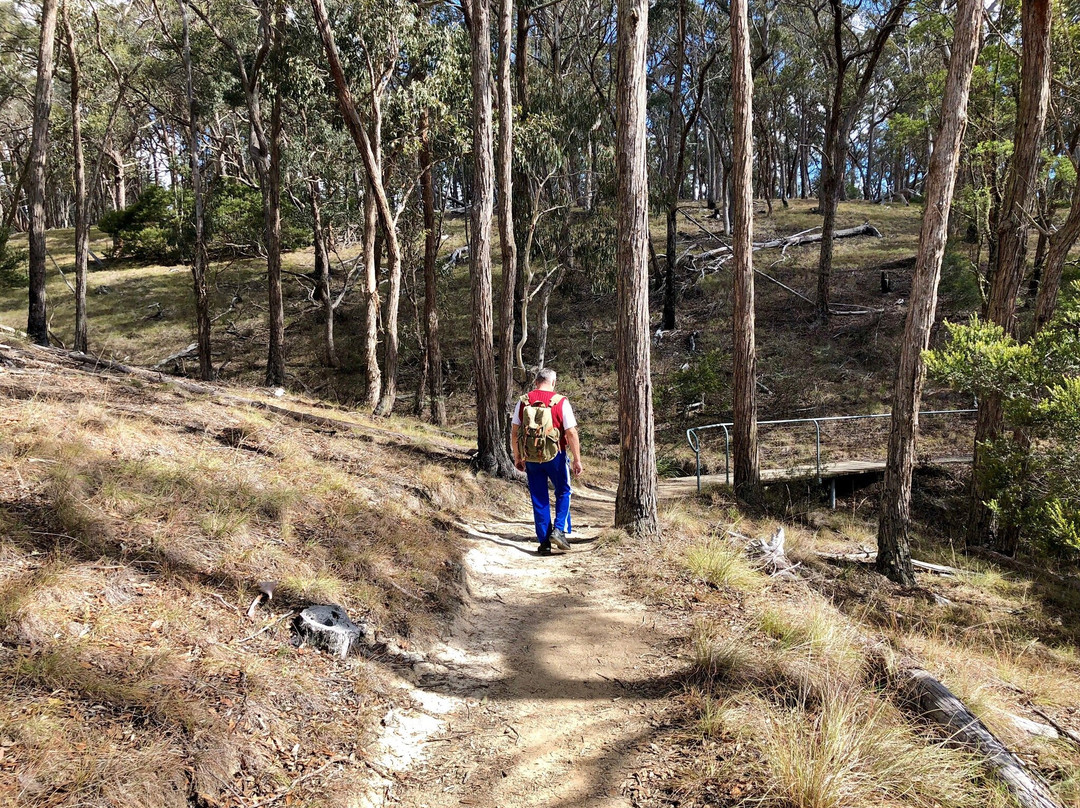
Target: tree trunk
[
  {"x": 1012, "y": 236},
  {"x": 431, "y": 250},
  {"x": 747, "y": 472},
  {"x": 37, "y": 324},
  {"x": 491, "y": 456},
  {"x": 508, "y": 247},
  {"x": 635, "y": 501},
  {"x": 670, "y": 257},
  {"x": 832, "y": 179},
  {"x": 322, "y": 276},
  {"x": 371, "y": 291},
  {"x": 82, "y": 227},
  {"x": 842, "y": 113},
  {"x": 894, "y": 553},
  {"x": 201, "y": 259},
  {"x": 275, "y": 359}
]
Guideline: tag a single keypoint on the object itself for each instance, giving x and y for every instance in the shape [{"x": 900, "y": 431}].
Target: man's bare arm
[
  {"x": 573, "y": 443},
  {"x": 519, "y": 461}
]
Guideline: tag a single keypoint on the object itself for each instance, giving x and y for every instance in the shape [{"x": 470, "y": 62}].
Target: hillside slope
[{"x": 136, "y": 520}]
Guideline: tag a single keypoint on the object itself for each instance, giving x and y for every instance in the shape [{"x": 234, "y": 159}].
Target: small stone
[{"x": 412, "y": 657}]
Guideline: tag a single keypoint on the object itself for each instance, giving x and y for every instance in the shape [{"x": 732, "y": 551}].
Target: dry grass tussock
[
  {"x": 135, "y": 523},
  {"x": 784, "y": 708}
]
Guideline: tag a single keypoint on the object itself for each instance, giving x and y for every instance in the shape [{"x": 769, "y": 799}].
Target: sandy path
[{"x": 555, "y": 679}]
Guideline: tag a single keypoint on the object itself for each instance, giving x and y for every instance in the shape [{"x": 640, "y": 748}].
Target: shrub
[
  {"x": 1034, "y": 474},
  {"x": 13, "y": 269},
  {"x": 152, "y": 228}
]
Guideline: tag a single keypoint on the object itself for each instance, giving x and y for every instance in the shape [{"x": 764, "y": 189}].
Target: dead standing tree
[
  {"x": 843, "y": 110},
  {"x": 635, "y": 501},
  {"x": 894, "y": 553}
]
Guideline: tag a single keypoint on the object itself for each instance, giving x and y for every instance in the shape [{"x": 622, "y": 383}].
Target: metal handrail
[{"x": 694, "y": 439}]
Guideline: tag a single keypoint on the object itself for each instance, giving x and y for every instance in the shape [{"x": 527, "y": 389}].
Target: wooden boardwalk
[{"x": 687, "y": 486}]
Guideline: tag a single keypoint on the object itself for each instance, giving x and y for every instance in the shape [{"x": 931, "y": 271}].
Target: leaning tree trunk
[
  {"x": 1061, "y": 243},
  {"x": 894, "y": 553},
  {"x": 37, "y": 324},
  {"x": 201, "y": 262},
  {"x": 82, "y": 228},
  {"x": 1012, "y": 237},
  {"x": 747, "y": 472},
  {"x": 491, "y": 455},
  {"x": 508, "y": 246},
  {"x": 373, "y": 167},
  {"x": 635, "y": 501},
  {"x": 431, "y": 250}
]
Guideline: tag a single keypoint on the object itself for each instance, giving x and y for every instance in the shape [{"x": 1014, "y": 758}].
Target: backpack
[{"x": 538, "y": 437}]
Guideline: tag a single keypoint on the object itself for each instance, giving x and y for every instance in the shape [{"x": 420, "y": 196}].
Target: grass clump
[
  {"x": 716, "y": 657},
  {"x": 855, "y": 751},
  {"x": 719, "y": 564}
]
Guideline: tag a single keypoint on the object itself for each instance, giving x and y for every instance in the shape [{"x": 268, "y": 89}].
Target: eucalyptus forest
[{"x": 275, "y": 274}]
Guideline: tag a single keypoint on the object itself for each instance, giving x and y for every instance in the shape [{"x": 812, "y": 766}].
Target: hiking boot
[
  {"x": 558, "y": 538},
  {"x": 544, "y": 548}
]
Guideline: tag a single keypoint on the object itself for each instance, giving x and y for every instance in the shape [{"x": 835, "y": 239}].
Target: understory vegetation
[{"x": 790, "y": 702}]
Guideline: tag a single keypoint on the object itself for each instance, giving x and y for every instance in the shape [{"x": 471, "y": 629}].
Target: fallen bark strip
[{"x": 1065, "y": 732}]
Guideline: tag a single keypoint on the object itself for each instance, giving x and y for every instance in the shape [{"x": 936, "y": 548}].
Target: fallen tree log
[
  {"x": 936, "y": 703},
  {"x": 869, "y": 558},
  {"x": 724, "y": 253}
]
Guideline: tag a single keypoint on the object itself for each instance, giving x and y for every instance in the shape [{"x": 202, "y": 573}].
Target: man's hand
[
  {"x": 519, "y": 464},
  {"x": 576, "y": 467}
]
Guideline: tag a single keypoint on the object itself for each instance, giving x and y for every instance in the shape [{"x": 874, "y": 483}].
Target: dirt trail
[{"x": 555, "y": 680}]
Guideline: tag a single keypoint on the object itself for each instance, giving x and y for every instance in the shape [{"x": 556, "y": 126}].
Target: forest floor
[{"x": 137, "y": 517}]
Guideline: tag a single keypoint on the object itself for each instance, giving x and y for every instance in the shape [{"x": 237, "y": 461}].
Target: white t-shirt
[{"x": 569, "y": 420}]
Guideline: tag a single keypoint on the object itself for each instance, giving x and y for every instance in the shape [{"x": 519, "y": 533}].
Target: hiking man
[{"x": 543, "y": 428}]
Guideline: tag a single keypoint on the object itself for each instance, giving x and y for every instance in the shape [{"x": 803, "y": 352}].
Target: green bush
[
  {"x": 1033, "y": 470},
  {"x": 160, "y": 224},
  {"x": 234, "y": 218},
  {"x": 13, "y": 267},
  {"x": 152, "y": 228}
]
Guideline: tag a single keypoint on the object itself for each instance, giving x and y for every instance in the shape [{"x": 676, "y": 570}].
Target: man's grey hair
[{"x": 544, "y": 375}]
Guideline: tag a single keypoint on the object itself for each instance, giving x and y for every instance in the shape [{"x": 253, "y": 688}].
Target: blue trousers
[{"x": 557, "y": 470}]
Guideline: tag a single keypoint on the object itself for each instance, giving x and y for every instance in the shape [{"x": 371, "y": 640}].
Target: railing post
[
  {"x": 817, "y": 447},
  {"x": 727, "y": 456},
  {"x": 697, "y": 460}
]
